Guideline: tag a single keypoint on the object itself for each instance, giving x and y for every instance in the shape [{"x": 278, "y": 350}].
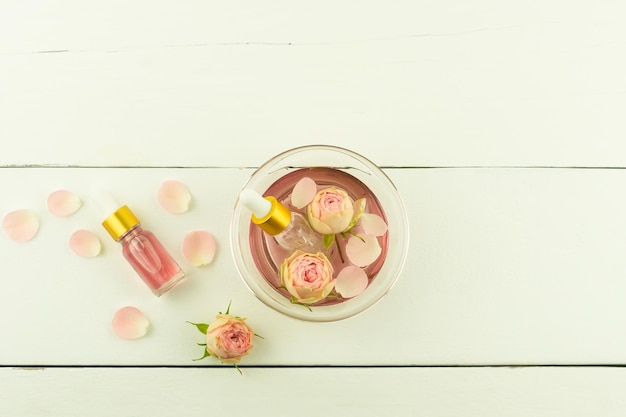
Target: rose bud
[
  {"x": 308, "y": 277},
  {"x": 330, "y": 211},
  {"x": 228, "y": 338}
]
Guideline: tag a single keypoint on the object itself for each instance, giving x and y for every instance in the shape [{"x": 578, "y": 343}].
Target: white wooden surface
[
  {"x": 487, "y": 116},
  {"x": 436, "y": 392}
]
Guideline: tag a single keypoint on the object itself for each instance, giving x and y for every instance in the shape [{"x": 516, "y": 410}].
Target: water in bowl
[{"x": 268, "y": 255}]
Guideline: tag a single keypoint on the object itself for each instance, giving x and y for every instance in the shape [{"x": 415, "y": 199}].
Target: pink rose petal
[
  {"x": 20, "y": 225},
  {"x": 174, "y": 196},
  {"x": 373, "y": 224},
  {"x": 351, "y": 281},
  {"x": 303, "y": 192},
  {"x": 63, "y": 203},
  {"x": 199, "y": 247},
  {"x": 363, "y": 252},
  {"x": 85, "y": 243},
  {"x": 130, "y": 323}
]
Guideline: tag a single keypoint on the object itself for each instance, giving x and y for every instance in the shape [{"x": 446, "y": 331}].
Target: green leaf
[
  {"x": 228, "y": 309},
  {"x": 328, "y": 240},
  {"x": 202, "y": 327},
  {"x": 258, "y": 335}
]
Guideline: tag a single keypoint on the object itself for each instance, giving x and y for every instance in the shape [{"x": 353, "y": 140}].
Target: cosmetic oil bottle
[
  {"x": 140, "y": 247},
  {"x": 291, "y": 230}
]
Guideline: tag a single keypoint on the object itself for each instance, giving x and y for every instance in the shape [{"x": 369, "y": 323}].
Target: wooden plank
[
  {"x": 506, "y": 266},
  {"x": 361, "y": 392},
  {"x": 209, "y": 84}
]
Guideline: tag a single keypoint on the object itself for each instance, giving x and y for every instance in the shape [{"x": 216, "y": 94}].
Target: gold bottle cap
[
  {"x": 276, "y": 220},
  {"x": 120, "y": 222}
]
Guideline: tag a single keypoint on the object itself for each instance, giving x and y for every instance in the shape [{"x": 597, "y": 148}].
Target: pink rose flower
[
  {"x": 330, "y": 211},
  {"x": 228, "y": 338},
  {"x": 308, "y": 277}
]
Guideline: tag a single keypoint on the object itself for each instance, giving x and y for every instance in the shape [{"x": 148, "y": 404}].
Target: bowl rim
[{"x": 268, "y": 295}]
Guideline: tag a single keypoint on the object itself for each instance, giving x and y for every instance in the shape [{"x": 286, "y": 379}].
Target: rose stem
[{"x": 339, "y": 250}]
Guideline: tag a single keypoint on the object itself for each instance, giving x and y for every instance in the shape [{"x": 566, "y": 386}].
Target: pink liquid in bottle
[
  {"x": 141, "y": 248},
  {"x": 151, "y": 260}
]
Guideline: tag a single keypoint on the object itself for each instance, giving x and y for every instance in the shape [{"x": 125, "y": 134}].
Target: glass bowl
[{"x": 256, "y": 260}]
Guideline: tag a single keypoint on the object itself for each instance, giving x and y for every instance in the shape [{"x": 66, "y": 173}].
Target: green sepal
[
  {"x": 360, "y": 209},
  {"x": 237, "y": 368},
  {"x": 294, "y": 300},
  {"x": 228, "y": 308},
  {"x": 351, "y": 233},
  {"x": 328, "y": 240},
  {"x": 202, "y": 327},
  {"x": 333, "y": 294},
  {"x": 206, "y": 355}
]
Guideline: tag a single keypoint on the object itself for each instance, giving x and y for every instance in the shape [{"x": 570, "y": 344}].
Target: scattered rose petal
[
  {"x": 130, "y": 323},
  {"x": 351, "y": 281},
  {"x": 85, "y": 243},
  {"x": 373, "y": 224},
  {"x": 199, "y": 247},
  {"x": 63, "y": 203},
  {"x": 20, "y": 225},
  {"x": 174, "y": 196},
  {"x": 363, "y": 252},
  {"x": 303, "y": 192}
]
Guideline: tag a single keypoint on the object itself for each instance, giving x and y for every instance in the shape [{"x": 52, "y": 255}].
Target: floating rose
[
  {"x": 331, "y": 211},
  {"x": 228, "y": 338},
  {"x": 307, "y": 277}
]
